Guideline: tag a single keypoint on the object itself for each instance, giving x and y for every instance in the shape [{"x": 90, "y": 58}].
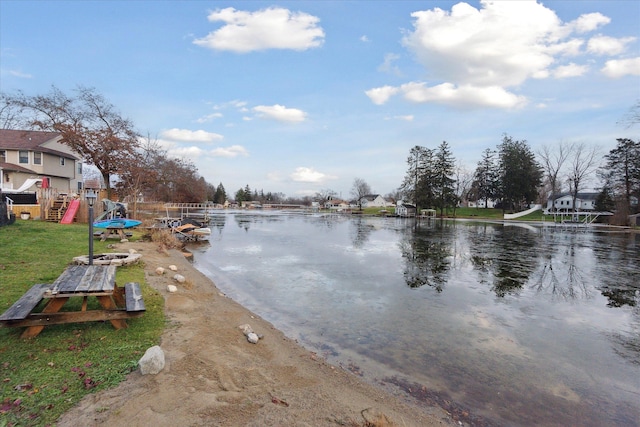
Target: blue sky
[{"x": 298, "y": 97}]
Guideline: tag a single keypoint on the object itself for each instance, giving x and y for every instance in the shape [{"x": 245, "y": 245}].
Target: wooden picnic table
[{"x": 117, "y": 303}]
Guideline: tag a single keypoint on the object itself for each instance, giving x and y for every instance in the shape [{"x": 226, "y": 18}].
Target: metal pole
[{"x": 90, "y": 233}]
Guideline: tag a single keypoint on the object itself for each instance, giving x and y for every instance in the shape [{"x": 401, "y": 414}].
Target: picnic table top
[{"x": 85, "y": 278}]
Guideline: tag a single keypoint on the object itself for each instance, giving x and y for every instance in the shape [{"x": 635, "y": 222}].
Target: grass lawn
[{"x": 42, "y": 377}]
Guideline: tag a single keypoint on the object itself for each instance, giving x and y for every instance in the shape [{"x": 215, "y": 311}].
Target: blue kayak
[{"x": 117, "y": 223}]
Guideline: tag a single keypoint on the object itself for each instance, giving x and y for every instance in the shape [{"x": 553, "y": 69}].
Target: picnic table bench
[{"x": 117, "y": 303}]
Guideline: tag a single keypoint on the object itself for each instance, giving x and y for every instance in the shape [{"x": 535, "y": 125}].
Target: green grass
[
  {"x": 471, "y": 213},
  {"x": 42, "y": 377}
]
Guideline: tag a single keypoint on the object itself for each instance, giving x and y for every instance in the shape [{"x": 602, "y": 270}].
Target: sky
[{"x": 299, "y": 97}]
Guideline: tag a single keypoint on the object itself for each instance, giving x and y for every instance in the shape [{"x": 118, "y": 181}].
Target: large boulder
[{"x": 152, "y": 362}]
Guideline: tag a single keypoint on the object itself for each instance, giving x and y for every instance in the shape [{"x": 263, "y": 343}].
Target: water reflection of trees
[
  {"x": 427, "y": 250},
  {"x": 621, "y": 286},
  {"x": 561, "y": 274},
  {"x": 504, "y": 256},
  {"x": 360, "y": 230},
  {"x": 218, "y": 222}
]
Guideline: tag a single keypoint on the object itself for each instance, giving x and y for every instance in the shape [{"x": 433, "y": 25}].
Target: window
[
  {"x": 23, "y": 157},
  {"x": 61, "y": 161},
  {"x": 37, "y": 158},
  {"x": 3, "y": 156},
  {"x": 79, "y": 168}
]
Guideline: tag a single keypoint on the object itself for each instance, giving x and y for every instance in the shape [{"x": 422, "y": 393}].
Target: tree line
[{"x": 514, "y": 177}]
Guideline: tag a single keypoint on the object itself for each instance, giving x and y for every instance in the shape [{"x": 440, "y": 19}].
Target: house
[
  {"x": 585, "y": 201},
  {"x": 405, "y": 209},
  {"x": 31, "y": 158},
  {"x": 373, "y": 201},
  {"x": 482, "y": 203},
  {"x": 336, "y": 204}
]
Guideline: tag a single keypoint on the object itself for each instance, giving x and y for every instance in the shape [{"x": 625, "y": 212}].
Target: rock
[
  {"x": 252, "y": 337},
  {"x": 124, "y": 240},
  {"x": 132, "y": 251},
  {"x": 172, "y": 288},
  {"x": 173, "y": 268},
  {"x": 152, "y": 362},
  {"x": 159, "y": 271},
  {"x": 179, "y": 278}
]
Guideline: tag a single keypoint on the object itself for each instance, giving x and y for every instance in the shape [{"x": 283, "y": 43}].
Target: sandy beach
[{"x": 214, "y": 377}]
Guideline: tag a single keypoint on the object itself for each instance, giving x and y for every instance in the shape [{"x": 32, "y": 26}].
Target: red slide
[{"x": 71, "y": 211}]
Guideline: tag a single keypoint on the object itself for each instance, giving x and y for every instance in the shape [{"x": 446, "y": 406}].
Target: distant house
[
  {"x": 336, "y": 204},
  {"x": 563, "y": 202},
  {"x": 482, "y": 203},
  {"x": 405, "y": 209},
  {"x": 29, "y": 157},
  {"x": 373, "y": 201}
]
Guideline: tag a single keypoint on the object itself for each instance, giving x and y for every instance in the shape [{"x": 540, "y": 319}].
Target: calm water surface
[{"x": 513, "y": 325}]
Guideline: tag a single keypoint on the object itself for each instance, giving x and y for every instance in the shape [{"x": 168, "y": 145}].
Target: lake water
[{"x": 500, "y": 324}]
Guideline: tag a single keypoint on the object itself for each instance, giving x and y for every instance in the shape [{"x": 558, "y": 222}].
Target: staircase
[{"x": 56, "y": 210}]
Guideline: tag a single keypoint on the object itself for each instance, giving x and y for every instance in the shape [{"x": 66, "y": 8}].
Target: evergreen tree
[
  {"x": 443, "y": 181},
  {"x": 520, "y": 174},
  {"x": 622, "y": 171},
  {"x": 485, "y": 182},
  {"x": 417, "y": 186},
  {"x": 220, "y": 195}
]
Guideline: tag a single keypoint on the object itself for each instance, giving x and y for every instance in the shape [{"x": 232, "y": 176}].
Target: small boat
[{"x": 117, "y": 223}]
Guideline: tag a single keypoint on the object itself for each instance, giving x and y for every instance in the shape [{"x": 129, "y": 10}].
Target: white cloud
[
  {"x": 407, "y": 118},
  {"x": 570, "y": 70},
  {"x": 190, "y": 152},
  {"x": 617, "y": 68},
  {"x": 280, "y": 113},
  {"x": 605, "y": 45},
  {"x": 271, "y": 28},
  {"x": 185, "y": 135},
  {"x": 387, "y": 66},
  {"x": 229, "y": 152},
  {"x": 364, "y": 39},
  {"x": 20, "y": 74},
  {"x": 303, "y": 174},
  {"x": 380, "y": 95},
  {"x": 474, "y": 55},
  {"x": 589, "y": 22},
  {"x": 461, "y": 96},
  {"x": 208, "y": 118}
]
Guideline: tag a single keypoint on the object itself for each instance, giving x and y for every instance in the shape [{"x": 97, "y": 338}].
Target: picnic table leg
[
  {"x": 53, "y": 306},
  {"x": 118, "y": 296},
  {"x": 107, "y": 303}
]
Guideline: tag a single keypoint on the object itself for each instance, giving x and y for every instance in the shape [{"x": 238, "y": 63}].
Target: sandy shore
[{"x": 215, "y": 377}]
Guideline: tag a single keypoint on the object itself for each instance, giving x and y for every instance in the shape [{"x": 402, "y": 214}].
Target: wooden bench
[
  {"x": 133, "y": 297},
  {"x": 27, "y": 302}
]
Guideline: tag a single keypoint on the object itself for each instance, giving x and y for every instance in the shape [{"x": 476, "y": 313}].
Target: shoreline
[{"x": 214, "y": 376}]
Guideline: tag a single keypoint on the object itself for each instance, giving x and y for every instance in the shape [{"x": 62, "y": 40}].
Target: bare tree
[
  {"x": 584, "y": 162},
  {"x": 359, "y": 190},
  {"x": 89, "y": 124},
  {"x": 553, "y": 160},
  {"x": 463, "y": 180}
]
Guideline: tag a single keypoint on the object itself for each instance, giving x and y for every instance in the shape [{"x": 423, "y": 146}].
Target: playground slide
[
  {"x": 71, "y": 211},
  {"x": 523, "y": 213}
]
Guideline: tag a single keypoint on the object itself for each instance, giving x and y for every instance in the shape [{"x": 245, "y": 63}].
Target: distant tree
[
  {"x": 553, "y": 160},
  {"x": 443, "y": 182},
  {"x": 584, "y": 162},
  {"x": 463, "y": 180},
  {"x": 520, "y": 174},
  {"x": 89, "y": 124},
  {"x": 324, "y": 195},
  {"x": 486, "y": 177},
  {"x": 417, "y": 186},
  {"x": 360, "y": 189},
  {"x": 220, "y": 195},
  {"x": 621, "y": 171}
]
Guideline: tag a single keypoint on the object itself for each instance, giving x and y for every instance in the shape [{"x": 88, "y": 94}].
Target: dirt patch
[{"x": 215, "y": 377}]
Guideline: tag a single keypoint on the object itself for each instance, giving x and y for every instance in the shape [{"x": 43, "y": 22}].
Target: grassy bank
[
  {"x": 470, "y": 213},
  {"x": 41, "y": 378}
]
